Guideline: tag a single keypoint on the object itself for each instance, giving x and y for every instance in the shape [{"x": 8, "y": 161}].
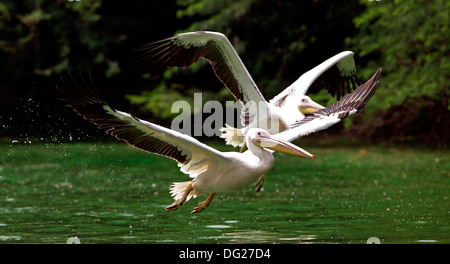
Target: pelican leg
[
  {"x": 244, "y": 145},
  {"x": 202, "y": 205},
  {"x": 260, "y": 182},
  {"x": 175, "y": 205}
]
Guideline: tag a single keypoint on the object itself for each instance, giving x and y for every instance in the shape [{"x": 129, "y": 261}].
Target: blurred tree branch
[{"x": 409, "y": 39}]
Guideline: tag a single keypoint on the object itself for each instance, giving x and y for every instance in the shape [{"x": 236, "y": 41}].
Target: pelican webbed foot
[
  {"x": 178, "y": 203},
  {"x": 174, "y": 206},
  {"x": 202, "y": 205}
]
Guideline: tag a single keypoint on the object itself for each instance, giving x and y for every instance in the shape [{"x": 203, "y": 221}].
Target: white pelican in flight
[
  {"x": 212, "y": 171},
  {"x": 337, "y": 74}
]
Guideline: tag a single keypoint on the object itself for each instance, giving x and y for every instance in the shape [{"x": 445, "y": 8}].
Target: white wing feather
[
  {"x": 184, "y": 49},
  {"x": 344, "y": 62}
]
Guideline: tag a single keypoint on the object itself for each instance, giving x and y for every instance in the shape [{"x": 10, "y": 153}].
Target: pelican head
[
  {"x": 307, "y": 106},
  {"x": 263, "y": 139}
]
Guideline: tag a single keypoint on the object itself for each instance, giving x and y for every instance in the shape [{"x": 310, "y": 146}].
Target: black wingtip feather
[
  {"x": 355, "y": 100},
  {"x": 86, "y": 101}
]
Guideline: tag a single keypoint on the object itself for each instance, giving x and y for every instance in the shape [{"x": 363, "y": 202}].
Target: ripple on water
[
  {"x": 426, "y": 241},
  {"x": 218, "y": 226},
  {"x": 9, "y": 238}
]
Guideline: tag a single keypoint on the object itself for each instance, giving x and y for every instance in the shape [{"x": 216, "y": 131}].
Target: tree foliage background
[{"x": 276, "y": 39}]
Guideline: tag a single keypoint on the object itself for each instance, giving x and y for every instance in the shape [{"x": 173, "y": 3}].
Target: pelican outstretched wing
[
  {"x": 184, "y": 49},
  {"x": 337, "y": 75},
  {"x": 324, "y": 118},
  {"x": 192, "y": 155}
]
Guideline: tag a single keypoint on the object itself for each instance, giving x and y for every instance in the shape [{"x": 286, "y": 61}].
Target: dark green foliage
[
  {"x": 409, "y": 39},
  {"x": 277, "y": 40}
]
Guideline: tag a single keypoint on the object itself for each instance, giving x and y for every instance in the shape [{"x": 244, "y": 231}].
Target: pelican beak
[
  {"x": 310, "y": 107},
  {"x": 282, "y": 146}
]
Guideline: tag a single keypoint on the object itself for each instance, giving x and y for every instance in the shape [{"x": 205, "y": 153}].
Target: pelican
[
  {"x": 212, "y": 171},
  {"x": 336, "y": 74}
]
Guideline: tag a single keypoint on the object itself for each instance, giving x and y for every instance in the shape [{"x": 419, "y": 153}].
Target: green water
[{"x": 112, "y": 193}]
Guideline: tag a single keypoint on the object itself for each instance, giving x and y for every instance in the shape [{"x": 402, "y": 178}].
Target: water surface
[{"x": 112, "y": 193}]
